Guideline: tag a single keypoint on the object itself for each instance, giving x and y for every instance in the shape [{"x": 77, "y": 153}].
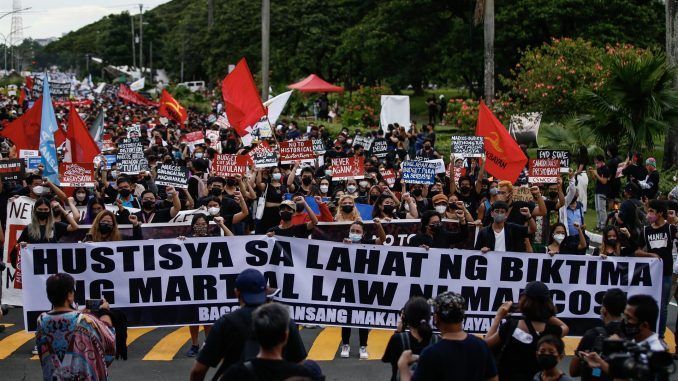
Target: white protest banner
[
  {"x": 130, "y": 157},
  {"x": 379, "y": 148},
  {"x": 227, "y": 165},
  {"x": 172, "y": 175},
  {"x": 440, "y": 163},
  {"x": 18, "y": 216},
  {"x": 169, "y": 282},
  {"x": 133, "y": 131},
  {"x": 395, "y": 109},
  {"x": 562, "y": 156},
  {"x": 468, "y": 146},
  {"x": 263, "y": 156},
  {"x": 346, "y": 168},
  {"x": 544, "y": 171},
  {"x": 419, "y": 172}
]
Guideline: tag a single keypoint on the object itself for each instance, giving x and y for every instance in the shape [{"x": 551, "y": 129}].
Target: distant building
[{"x": 45, "y": 41}]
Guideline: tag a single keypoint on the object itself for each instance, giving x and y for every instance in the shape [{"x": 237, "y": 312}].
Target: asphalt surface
[{"x": 159, "y": 354}]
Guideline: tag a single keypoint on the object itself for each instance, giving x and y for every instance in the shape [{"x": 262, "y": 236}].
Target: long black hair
[{"x": 416, "y": 315}]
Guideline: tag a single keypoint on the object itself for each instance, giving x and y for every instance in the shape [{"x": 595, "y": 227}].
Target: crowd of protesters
[{"x": 632, "y": 217}]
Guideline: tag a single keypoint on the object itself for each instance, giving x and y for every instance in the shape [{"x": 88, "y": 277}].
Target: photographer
[
  {"x": 614, "y": 302},
  {"x": 640, "y": 318}
]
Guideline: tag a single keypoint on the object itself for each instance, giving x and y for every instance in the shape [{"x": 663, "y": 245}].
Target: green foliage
[
  {"x": 462, "y": 114},
  {"x": 568, "y": 135},
  {"x": 361, "y": 107}
]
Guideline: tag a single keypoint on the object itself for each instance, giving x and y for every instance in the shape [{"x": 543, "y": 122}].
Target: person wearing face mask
[
  {"x": 38, "y": 187},
  {"x": 215, "y": 211},
  {"x": 558, "y": 244},
  {"x": 502, "y": 235},
  {"x": 124, "y": 193},
  {"x": 307, "y": 182},
  {"x": 616, "y": 242},
  {"x": 352, "y": 188},
  {"x": 468, "y": 192},
  {"x": 656, "y": 241},
  {"x": 385, "y": 207},
  {"x": 273, "y": 190},
  {"x": 434, "y": 235},
  {"x": 550, "y": 351},
  {"x": 427, "y": 152},
  {"x": 197, "y": 183},
  {"x": 347, "y": 210},
  {"x": 94, "y": 206},
  {"x": 286, "y": 228},
  {"x": 324, "y": 188},
  {"x": 149, "y": 213},
  {"x": 81, "y": 196},
  {"x": 356, "y": 235},
  {"x": 105, "y": 229},
  {"x": 602, "y": 176}
]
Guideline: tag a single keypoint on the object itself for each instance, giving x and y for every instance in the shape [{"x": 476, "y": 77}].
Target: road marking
[
  {"x": 325, "y": 345},
  {"x": 168, "y": 346},
  {"x": 13, "y": 342},
  {"x": 376, "y": 343},
  {"x": 6, "y": 325},
  {"x": 135, "y": 333}
]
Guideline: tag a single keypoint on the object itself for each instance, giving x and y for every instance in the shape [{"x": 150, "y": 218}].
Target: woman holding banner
[
  {"x": 105, "y": 228},
  {"x": 356, "y": 235},
  {"x": 347, "y": 211}
]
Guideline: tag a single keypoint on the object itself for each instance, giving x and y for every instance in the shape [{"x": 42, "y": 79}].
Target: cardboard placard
[
  {"x": 389, "y": 176},
  {"x": 133, "y": 132},
  {"x": 563, "y": 156},
  {"x": 12, "y": 169},
  {"x": 468, "y": 146},
  {"x": 522, "y": 194},
  {"x": 130, "y": 157},
  {"x": 194, "y": 138},
  {"x": 344, "y": 168},
  {"x": 77, "y": 175},
  {"x": 299, "y": 150},
  {"x": 364, "y": 141},
  {"x": 419, "y": 172},
  {"x": 318, "y": 146},
  {"x": 226, "y": 165},
  {"x": 263, "y": 156},
  {"x": 172, "y": 175},
  {"x": 379, "y": 148},
  {"x": 544, "y": 171},
  {"x": 213, "y": 137}
]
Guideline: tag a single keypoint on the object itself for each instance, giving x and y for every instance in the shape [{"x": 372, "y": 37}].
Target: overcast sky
[{"x": 52, "y": 18}]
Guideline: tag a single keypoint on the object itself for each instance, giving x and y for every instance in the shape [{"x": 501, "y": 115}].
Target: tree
[{"x": 671, "y": 141}]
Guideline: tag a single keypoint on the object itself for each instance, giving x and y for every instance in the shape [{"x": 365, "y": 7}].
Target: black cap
[
  {"x": 252, "y": 286},
  {"x": 537, "y": 290},
  {"x": 500, "y": 205}
]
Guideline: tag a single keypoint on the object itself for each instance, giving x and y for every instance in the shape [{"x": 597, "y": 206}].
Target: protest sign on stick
[
  {"x": 298, "y": 150},
  {"x": 263, "y": 156},
  {"x": 562, "y": 156},
  {"x": 345, "y": 168},
  {"x": 172, "y": 175},
  {"x": 77, "y": 174},
  {"x": 419, "y": 172},
  {"x": 544, "y": 171},
  {"x": 226, "y": 165},
  {"x": 379, "y": 148},
  {"x": 130, "y": 157},
  {"x": 467, "y": 146}
]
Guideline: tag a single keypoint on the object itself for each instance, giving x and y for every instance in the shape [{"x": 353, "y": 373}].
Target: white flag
[{"x": 138, "y": 84}]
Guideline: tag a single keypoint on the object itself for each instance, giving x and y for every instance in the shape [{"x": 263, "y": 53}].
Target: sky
[{"x": 53, "y": 18}]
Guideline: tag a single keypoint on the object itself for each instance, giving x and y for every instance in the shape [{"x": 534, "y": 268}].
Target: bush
[
  {"x": 360, "y": 108},
  {"x": 462, "y": 114}
]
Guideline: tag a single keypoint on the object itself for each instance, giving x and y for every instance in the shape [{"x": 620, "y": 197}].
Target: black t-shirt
[
  {"x": 653, "y": 180},
  {"x": 395, "y": 348},
  {"x": 615, "y": 183},
  {"x": 269, "y": 370},
  {"x": 587, "y": 343},
  {"x": 157, "y": 216},
  {"x": 471, "y": 201},
  {"x": 660, "y": 241},
  {"x": 464, "y": 360},
  {"x": 298, "y": 231},
  {"x": 226, "y": 341},
  {"x": 444, "y": 239},
  {"x": 518, "y": 361},
  {"x": 514, "y": 212},
  {"x": 600, "y": 187}
]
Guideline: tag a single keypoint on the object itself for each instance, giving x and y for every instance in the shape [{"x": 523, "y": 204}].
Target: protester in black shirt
[
  {"x": 514, "y": 213},
  {"x": 457, "y": 356},
  {"x": 612, "y": 164},
  {"x": 615, "y": 242},
  {"x": 502, "y": 235},
  {"x": 285, "y": 228},
  {"x": 614, "y": 302},
  {"x": 149, "y": 213},
  {"x": 602, "y": 175},
  {"x": 650, "y": 184},
  {"x": 230, "y": 335},
  {"x": 434, "y": 235},
  {"x": 271, "y": 327}
]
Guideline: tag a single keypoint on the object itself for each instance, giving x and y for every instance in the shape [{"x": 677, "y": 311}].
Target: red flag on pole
[
  {"x": 504, "y": 158},
  {"x": 171, "y": 109},
  {"x": 25, "y": 131},
  {"x": 29, "y": 83},
  {"x": 241, "y": 99},
  {"x": 83, "y": 147}
]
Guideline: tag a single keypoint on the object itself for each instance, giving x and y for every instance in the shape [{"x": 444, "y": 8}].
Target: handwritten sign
[
  {"x": 522, "y": 194},
  {"x": 344, "y": 168},
  {"x": 77, "y": 175},
  {"x": 419, "y": 172},
  {"x": 468, "y": 146},
  {"x": 263, "y": 156},
  {"x": 364, "y": 141},
  {"x": 226, "y": 165},
  {"x": 379, "y": 148},
  {"x": 172, "y": 175},
  {"x": 318, "y": 146},
  {"x": 130, "y": 157},
  {"x": 544, "y": 171},
  {"x": 300, "y": 150},
  {"x": 389, "y": 176},
  {"x": 563, "y": 156}
]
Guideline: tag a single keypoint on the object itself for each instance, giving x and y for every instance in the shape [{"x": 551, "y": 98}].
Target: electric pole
[
  {"x": 265, "y": 34},
  {"x": 141, "y": 38},
  {"x": 488, "y": 29},
  {"x": 134, "y": 48}
]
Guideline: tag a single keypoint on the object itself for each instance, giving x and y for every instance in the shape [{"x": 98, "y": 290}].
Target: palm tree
[
  {"x": 569, "y": 135},
  {"x": 636, "y": 102}
]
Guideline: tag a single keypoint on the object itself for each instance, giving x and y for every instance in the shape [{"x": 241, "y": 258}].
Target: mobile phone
[
  {"x": 513, "y": 308},
  {"x": 93, "y": 304}
]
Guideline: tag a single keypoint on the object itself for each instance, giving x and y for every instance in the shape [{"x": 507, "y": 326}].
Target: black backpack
[{"x": 407, "y": 345}]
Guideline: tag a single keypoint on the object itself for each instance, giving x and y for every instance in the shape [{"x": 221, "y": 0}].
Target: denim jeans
[
  {"x": 664, "y": 307},
  {"x": 601, "y": 209}
]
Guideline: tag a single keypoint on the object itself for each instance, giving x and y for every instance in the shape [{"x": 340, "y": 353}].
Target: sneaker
[
  {"x": 363, "y": 353},
  {"x": 34, "y": 351},
  {"x": 193, "y": 351},
  {"x": 345, "y": 351}
]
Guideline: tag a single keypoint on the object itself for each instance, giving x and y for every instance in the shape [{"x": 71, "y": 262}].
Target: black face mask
[
  {"x": 105, "y": 228},
  {"x": 435, "y": 227},
  {"x": 465, "y": 189},
  {"x": 306, "y": 180},
  {"x": 553, "y": 194},
  {"x": 124, "y": 192},
  {"x": 148, "y": 204},
  {"x": 427, "y": 148},
  {"x": 374, "y": 197},
  {"x": 347, "y": 208},
  {"x": 230, "y": 182},
  {"x": 216, "y": 192},
  {"x": 388, "y": 209},
  {"x": 545, "y": 362},
  {"x": 629, "y": 330},
  {"x": 612, "y": 242},
  {"x": 286, "y": 215},
  {"x": 42, "y": 215},
  {"x": 416, "y": 192}
]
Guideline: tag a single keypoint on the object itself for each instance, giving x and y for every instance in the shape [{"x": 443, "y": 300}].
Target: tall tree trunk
[
  {"x": 489, "y": 50},
  {"x": 671, "y": 141}
]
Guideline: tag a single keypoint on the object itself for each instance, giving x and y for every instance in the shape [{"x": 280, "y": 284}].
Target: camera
[
  {"x": 4, "y": 309},
  {"x": 629, "y": 360}
]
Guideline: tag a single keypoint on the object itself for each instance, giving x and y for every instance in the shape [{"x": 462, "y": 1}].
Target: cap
[
  {"x": 449, "y": 305},
  {"x": 252, "y": 286},
  {"x": 500, "y": 205},
  {"x": 439, "y": 198},
  {"x": 289, "y": 203},
  {"x": 651, "y": 161},
  {"x": 536, "y": 290}
]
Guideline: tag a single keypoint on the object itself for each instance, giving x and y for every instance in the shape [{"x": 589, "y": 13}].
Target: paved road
[{"x": 158, "y": 354}]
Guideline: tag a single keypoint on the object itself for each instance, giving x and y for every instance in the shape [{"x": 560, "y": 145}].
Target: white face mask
[
  {"x": 324, "y": 188},
  {"x": 39, "y": 189},
  {"x": 277, "y": 176},
  {"x": 355, "y": 237},
  {"x": 213, "y": 211},
  {"x": 364, "y": 184},
  {"x": 81, "y": 196},
  {"x": 198, "y": 155},
  {"x": 351, "y": 188},
  {"x": 559, "y": 238},
  {"x": 441, "y": 209}
]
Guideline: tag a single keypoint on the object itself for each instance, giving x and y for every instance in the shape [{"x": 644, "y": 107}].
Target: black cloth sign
[
  {"x": 130, "y": 157},
  {"x": 173, "y": 175}
]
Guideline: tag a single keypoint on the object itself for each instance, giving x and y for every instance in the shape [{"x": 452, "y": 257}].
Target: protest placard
[
  {"x": 227, "y": 165},
  {"x": 12, "y": 169},
  {"x": 419, "y": 172},
  {"x": 389, "y": 176},
  {"x": 172, "y": 175},
  {"x": 76, "y": 175},
  {"x": 544, "y": 171},
  {"x": 263, "y": 156},
  {"x": 563, "y": 156},
  {"x": 107, "y": 143},
  {"x": 620, "y": 169},
  {"x": 222, "y": 121},
  {"x": 468, "y": 146},
  {"x": 213, "y": 137},
  {"x": 364, "y": 141},
  {"x": 440, "y": 163},
  {"x": 318, "y": 146},
  {"x": 193, "y": 138},
  {"x": 379, "y": 148},
  {"x": 299, "y": 150},
  {"x": 133, "y": 131},
  {"x": 522, "y": 194},
  {"x": 345, "y": 168},
  {"x": 130, "y": 157}
]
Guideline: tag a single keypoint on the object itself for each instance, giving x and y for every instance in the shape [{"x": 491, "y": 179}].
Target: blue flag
[{"x": 48, "y": 126}]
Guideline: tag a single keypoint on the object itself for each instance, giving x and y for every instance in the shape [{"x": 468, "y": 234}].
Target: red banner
[
  {"x": 128, "y": 95},
  {"x": 300, "y": 150},
  {"x": 226, "y": 165},
  {"x": 76, "y": 103},
  {"x": 76, "y": 174},
  {"x": 345, "y": 168}
]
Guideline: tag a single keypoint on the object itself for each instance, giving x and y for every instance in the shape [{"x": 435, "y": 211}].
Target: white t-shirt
[
  {"x": 654, "y": 343},
  {"x": 499, "y": 240}
]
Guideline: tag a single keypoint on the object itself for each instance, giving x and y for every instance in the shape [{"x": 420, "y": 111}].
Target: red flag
[
  {"x": 505, "y": 159},
  {"x": 22, "y": 96},
  {"x": 241, "y": 98},
  {"x": 29, "y": 83},
  {"x": 25, "y": 131},
  {"x": 171, "y": 109},
  {"x": 59, "y": 136},
  {"x": 83, "y": 147},
  {"x": 130, "y": 96}
]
